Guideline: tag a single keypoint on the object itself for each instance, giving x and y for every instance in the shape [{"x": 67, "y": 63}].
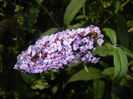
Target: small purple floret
[{"x": 58, "y": 50}]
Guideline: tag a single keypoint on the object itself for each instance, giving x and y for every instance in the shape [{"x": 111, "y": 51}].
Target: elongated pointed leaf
[
  {"x": 127, "y": 51},
  {"x": 92, "y": 74},
  {"x": 72, "y": 9},
  {"x": 111, "y": 34},
  {"x": 98, "y": 86},
  {"x": 103, "y": 51},
  {"x": 75, "y": 26},
  {"x": 120, "y": 62},
  {"x": 49, "y": 31},
  {"x": 108, "y": 71}
]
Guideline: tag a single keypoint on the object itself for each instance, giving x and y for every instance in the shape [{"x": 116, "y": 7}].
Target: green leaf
[
  {"x": 49, "y": 31},
  {"x": 75, "y": 26},
  {"x": 40, "y": 84},
  {"x": 81, "y": 17},
  {"x": 92, "y": 74},
  {"x": 2, "y": 14},
  {"x": 126, "y": 83},
  {"x": 39, "y": 1},
  {"x": 72, "y": 9},
  {"x": 54, "y": 89},
  {"x": 103, "y": 50},
  {"x": 122, "y": 30},
  {"x": 111, "y": 34},
  {"x": 106, "y": 4},
  {"x": 98, "y": 86},
  {"x": 120, "y": 63},
  {"x": 2, "y": 92},
  {"x": 108, "y": 71},
  {"x": 28, "y": 78},
  {"x": 131, "y": 29},
  {"x": 127, "y": 51},
  {"x": 114, "y": 96},
  {"x": 1, "y": 48},
  {"x": 32, "y": 16},
  {"x": 129, "y": 23},
  {"x": 117, "y": 5}
]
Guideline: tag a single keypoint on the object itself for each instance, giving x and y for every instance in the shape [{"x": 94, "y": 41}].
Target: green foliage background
[{"x": 22, "y": 22}]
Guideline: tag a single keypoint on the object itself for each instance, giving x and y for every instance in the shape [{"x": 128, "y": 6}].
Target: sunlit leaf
[
  {"x": 92, "y": 74},
  {"x": 72, "y": 9},
  {"x": 111, "y": 34},
  {"x": 98, "y": 86}
]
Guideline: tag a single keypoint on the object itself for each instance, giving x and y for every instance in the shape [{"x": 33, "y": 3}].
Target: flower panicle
[{"x": 58, "y": 50}]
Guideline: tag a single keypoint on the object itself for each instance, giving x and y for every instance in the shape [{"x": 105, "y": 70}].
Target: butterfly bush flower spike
[{"x": 58, "y": 50}]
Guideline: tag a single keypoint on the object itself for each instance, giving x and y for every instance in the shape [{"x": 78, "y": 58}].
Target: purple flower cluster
[{"x": 59, "y": 49}]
